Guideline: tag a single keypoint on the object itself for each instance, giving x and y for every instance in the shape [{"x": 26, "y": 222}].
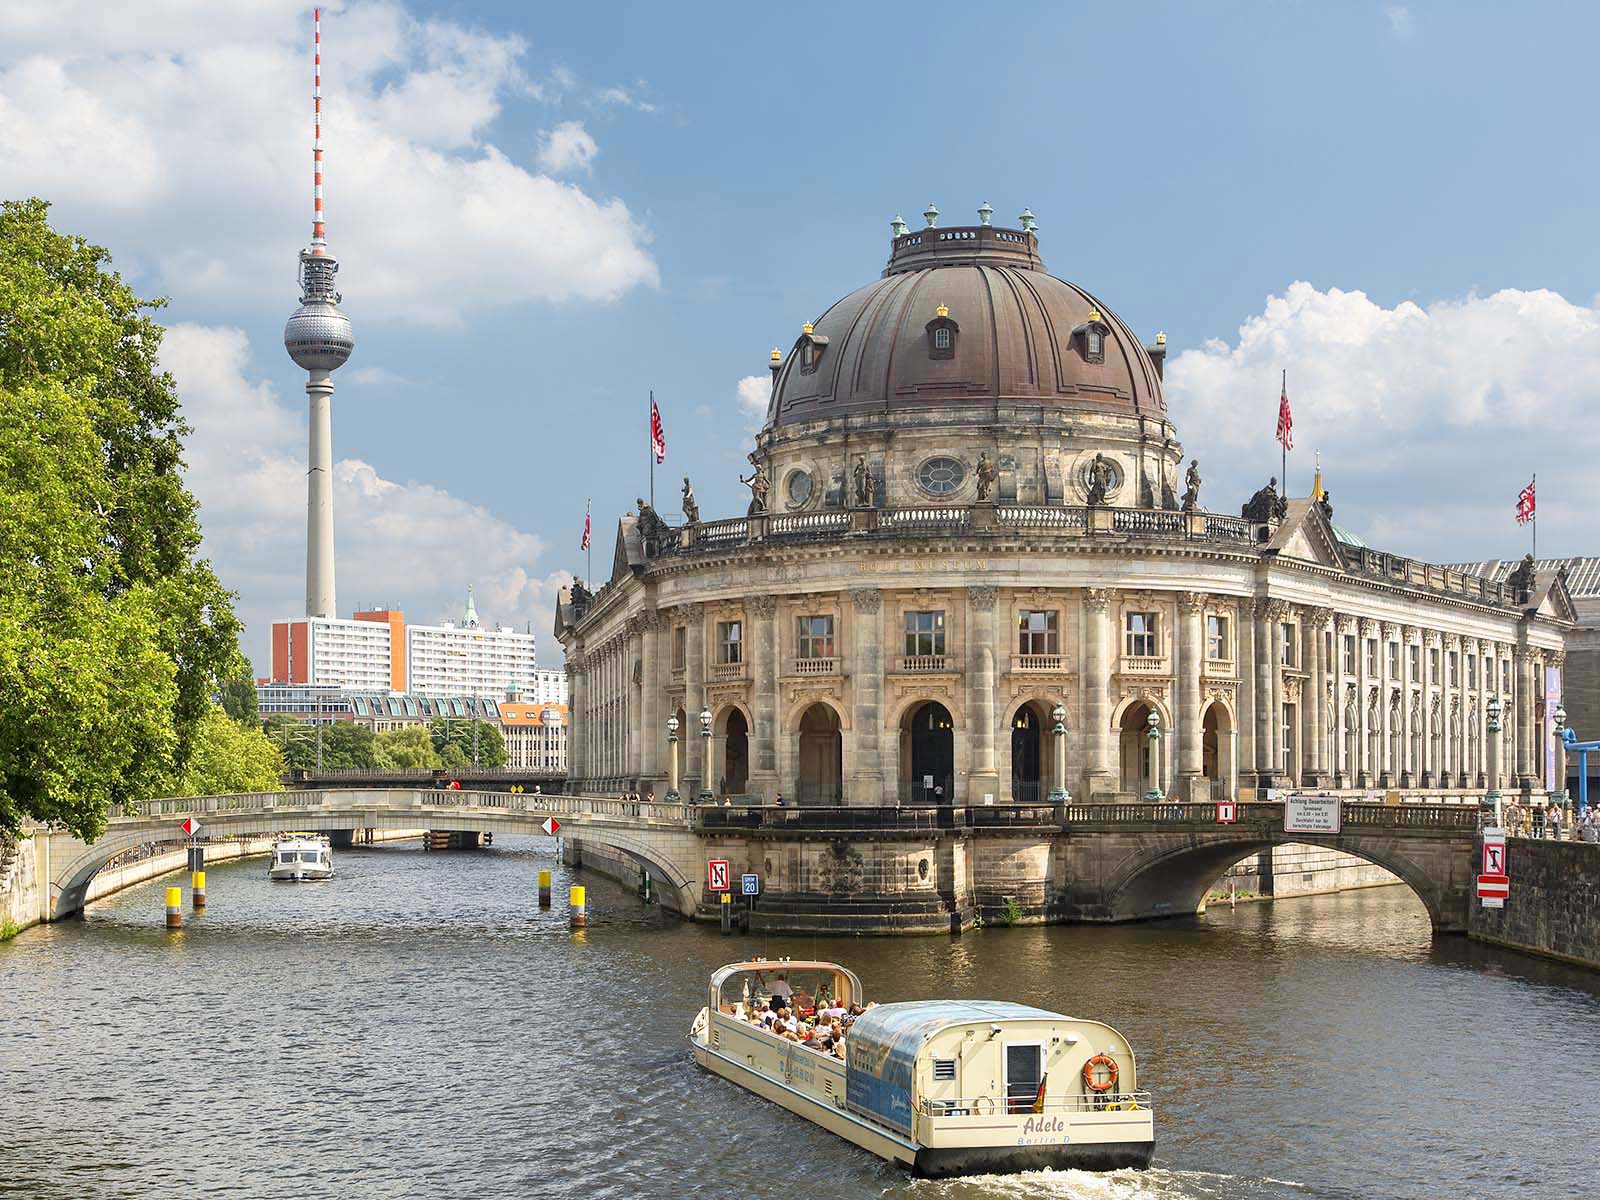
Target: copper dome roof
[{"x": 1015, "y": 335}]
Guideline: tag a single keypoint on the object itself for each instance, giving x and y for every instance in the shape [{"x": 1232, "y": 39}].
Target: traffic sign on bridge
[
  {"x": 190, "y": 827},
  {"x": 1227, "y": 812},
  {"x": 1494, "y": 852},
  {"x": 717, "y": 874},
  {"x": 551, "y": 826},
  {"x": 750, "y": 884}
]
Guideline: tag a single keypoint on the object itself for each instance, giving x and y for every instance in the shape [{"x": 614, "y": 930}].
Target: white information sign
[{"x": 1308, "y": 812}]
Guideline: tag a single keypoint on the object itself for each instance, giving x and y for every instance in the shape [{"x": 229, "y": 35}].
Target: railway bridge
[{"x": 847, "y": 868}]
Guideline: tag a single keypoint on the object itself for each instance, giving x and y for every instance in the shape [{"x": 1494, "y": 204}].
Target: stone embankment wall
[
  {"x": 19, "y": 890},
  {"x": 1554, "y": 906},
  {"x": 1297, "y": 869}
]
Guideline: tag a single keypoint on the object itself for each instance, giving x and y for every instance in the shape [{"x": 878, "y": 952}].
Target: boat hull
[
  {"x": 943, "y": 1163},
  {"x": 299, "y": 874}
]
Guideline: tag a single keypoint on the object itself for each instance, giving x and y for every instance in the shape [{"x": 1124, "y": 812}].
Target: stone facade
[{"x": 1554, "y": 906}]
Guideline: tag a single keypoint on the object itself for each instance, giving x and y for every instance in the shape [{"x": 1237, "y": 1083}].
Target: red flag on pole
[
  {"x": 1285, "y": 434},
  {"x": 1526, "y": 505},
  {"x": 658, "y": 435},
  {"x": 584, "y": 545}
]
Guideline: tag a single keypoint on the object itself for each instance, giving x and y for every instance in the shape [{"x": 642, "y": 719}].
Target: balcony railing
[
  {"x": 723, "y": 672},
  {"x": 1038, "y": 662},
  {"x": 1140, "y": 664},
  {"x": 923, "y": 663},
  {"x": 1146, "y": 520},
  {"x": 990, "y": 1106},
  {"x": 814, "y": 666}
]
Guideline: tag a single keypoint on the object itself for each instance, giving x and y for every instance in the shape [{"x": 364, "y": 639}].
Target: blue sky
[{"x": 1427, "y": 173}]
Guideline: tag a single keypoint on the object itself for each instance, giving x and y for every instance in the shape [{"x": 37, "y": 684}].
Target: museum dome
[{"x": 964, "y": 317}]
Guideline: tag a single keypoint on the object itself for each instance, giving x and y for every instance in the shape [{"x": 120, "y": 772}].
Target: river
[{"x": 417, "y": 1027}]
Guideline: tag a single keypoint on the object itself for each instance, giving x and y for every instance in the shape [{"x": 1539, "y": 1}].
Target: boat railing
[{"x": 988, "y": 1106}]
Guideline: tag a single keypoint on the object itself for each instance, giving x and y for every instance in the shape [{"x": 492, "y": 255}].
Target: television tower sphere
[{"x": 318, "y": 336}]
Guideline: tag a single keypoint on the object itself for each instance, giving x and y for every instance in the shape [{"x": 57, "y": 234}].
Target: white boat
[
  {"x": 300, "y": 856},
  {"x": 942, "y": 1087}
]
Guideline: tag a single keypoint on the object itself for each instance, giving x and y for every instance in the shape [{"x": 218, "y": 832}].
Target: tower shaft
[{"x": 319, "y": 498}]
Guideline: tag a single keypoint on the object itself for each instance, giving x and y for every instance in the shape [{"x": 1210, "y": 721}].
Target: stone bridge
[{"x": 839, "y": 869}]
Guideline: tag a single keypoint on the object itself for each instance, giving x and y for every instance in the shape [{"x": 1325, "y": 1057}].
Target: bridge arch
[{"x": 1171, "y": 876}]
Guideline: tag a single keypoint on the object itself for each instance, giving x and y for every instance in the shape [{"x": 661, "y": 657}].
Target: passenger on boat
[{"x": 780, "y": 986}]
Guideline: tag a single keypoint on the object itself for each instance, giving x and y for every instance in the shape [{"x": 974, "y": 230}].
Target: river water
[{"x": 417, "y": 1027}]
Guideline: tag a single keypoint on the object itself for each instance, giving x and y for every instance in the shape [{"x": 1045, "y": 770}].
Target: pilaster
[{"x": 864, "y": 779}]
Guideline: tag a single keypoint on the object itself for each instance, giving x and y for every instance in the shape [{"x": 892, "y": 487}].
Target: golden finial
[
  {"x": 941, "y": 311},
  {"x": 1094, "y": 314},
  {"x": 777, "y": 355},
  {"x": 806, "y": 328},
  {"x": 1161, "y": 339}
]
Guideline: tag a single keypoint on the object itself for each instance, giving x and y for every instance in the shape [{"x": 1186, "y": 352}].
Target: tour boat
[
  {"x": 943, "y": 1087},
  {"x": 300, "y": 856}
]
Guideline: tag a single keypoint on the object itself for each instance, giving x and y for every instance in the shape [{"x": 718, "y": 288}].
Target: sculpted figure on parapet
[
  {"x": 1520, "y": 581},
  {"x": 1266, "y": 505},
  {"x": 1098, "y": 479},
  {"x": 866, "y": 486},
  {"x": 760, "y": 486},
  {"x": 1191, "y": 487},
  {"x": 986, "y": 474},
  {"x": 691, "y": 506}
]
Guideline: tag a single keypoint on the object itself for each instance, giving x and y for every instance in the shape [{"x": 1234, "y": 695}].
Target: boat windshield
[
  {"x": 309, "y": 856},
  {"x": 286, "y": 856},
  {"x": 804, "y": 988}
]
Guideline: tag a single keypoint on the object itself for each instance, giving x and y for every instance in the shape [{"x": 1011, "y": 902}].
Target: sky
[{"x": 545, "y": 211}]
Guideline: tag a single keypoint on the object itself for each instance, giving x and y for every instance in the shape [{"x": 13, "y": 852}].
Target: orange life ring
[{"x": 1093, "y": 1078}]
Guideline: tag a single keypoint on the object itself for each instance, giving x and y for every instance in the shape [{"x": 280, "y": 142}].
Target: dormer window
[
  {"x": 1091, "y": 337},
  {"x": 943, "y": 333},
  {"x": 810, "y": 347}
]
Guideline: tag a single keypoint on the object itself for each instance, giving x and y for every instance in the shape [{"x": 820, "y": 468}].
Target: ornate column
[
  {"x": 983, "y": 778},
  {"x": 1314, "y": 723},
  {"x": 1388, "y": 770},
  {"x": 865, "y": 781},
  {"x": 650, "y": 716},
  {"x": 1191, "y": 659},
  {"x": 1268, "y": 715},
  {"x": 1366, "y": 628},
  {"x": 1429, "y": 770},
  {"x": 763, "y": 609},
  {"x": 578, "y": 716},
  {"x": 1447, "y": 698},
  {"x": 1527, "y": 761},
  {"x": 632, "y": 698},
  {"x": 694, "y": 691},
  {"x": 1472, "y": 699},
  {"x": 1097, "y": 691}
]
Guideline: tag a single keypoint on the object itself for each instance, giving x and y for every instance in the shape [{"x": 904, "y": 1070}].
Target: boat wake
[{"x": 1153, "y": 1184}]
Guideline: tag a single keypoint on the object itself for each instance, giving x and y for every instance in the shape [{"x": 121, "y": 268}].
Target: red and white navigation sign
[
  {"x": 1493, "y": 890},
  {"x": 551, "y": 826},
  {"x": 190, "y": 827},
  {"x": 717, "y": 874},
  {"x": 1227, "y": 812},
  {"x": 1494, "y": 852}
]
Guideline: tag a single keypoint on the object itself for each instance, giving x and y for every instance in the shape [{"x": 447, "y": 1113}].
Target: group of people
[
  {"x": 1551, "y": 821},
  {"x": 641, "y": 804},
  {"x": 795, "y": 1016}
]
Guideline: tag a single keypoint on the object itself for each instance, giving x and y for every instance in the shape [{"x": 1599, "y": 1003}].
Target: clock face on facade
[
  {"x": 799, "y": 489},
  {"x": 940, "y": 476}
]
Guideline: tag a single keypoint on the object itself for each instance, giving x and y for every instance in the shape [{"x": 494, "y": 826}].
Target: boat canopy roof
[{"x": 778, "y": 966}]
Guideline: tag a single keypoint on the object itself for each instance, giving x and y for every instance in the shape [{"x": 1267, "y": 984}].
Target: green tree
[
  {"x": 406, "y": 749},
  {"x": 447, "y": 733},
  {"x": 344, "y": 743},
  {"x": 229, "y": 757},
  {"x": 296, "y": 740},
  {"x": 238, "y": 696},
  {"x": 113, "y": 633}
]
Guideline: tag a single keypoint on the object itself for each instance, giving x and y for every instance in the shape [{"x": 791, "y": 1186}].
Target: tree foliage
[
  {"x": 113, "y": 633},
  {"x": 345, "y": 745},
  {"x": 239, "y": 701},
  {"x": 230, "y": 757},
  {"x": 406, "y": 749},
  {"x": 458, "y": 733}
]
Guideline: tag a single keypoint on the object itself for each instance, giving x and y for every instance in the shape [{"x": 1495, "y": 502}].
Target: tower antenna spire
[{"x": 319, "y": 239}]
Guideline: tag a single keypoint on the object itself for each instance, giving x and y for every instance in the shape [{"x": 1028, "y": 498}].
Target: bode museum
[{"x": 977, "y": 568}]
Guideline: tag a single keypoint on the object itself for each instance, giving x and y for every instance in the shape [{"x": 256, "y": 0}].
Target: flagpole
[
  {"x": 1283, "y": 443},
  {"x": 1534, "y": 484},
  {"x": 650, "y": 438},
  {"x": 589, "y": 541}
]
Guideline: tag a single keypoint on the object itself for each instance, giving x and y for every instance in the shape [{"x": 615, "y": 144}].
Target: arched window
[
  {"x": 1091, "y": 337},
  {"x": 941, "y": 339},
  {"x": 943, "y": 334}
]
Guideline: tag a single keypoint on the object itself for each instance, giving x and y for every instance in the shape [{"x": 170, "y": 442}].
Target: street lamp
[
  {"x": 707, "y": 796},
  {"x": 1491, "y": 798},
  {"x": 1560, "y": 795},
  {"x": 672, "y": 743},
  {"x": 1058, "y": 794},
  {"x": 1155, "y": 795}
]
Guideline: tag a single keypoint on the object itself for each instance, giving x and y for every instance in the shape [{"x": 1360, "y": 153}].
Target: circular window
[
  {"x": 940, "y": 476},
  {"x": 799, "y": 488}
]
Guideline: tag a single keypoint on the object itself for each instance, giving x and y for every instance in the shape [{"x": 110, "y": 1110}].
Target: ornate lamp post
[
  {"x": 672, "y": 743},
  {"x": 1155, "y": 794},
  {"x": 1058, "y": 794},
  {"x": 707, "y": 796},
  {"x": 1491, "y": 798},
  {"x": 1559, "y": 796}
]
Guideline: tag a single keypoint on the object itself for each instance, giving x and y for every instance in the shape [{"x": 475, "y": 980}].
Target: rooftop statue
[
  {"x": 986, "y": 474},
  {"x": 1520, "y": 580},
  {"x": 1098, "y": 478},
  {"x": 1191, "y": 487},
  {"x": 1266, "y": 505},
  {"x": 760, "y": 486},
  {"x": 651, "y": 526},
  {"x": 691, "y": 506},
  {"x": 866, "y": 486}
]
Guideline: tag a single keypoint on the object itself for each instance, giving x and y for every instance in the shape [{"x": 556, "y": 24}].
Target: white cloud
[
  {"x": 624, "y": 98},
  {"x": 410, "y": 544},
  {"x": 754, "y": 391},
  {"x": 180, "y": 134},
  {"x": 1399, "y": 19},
  {"x": 1429, "y": 419},
  {"x": 566, "y": 148},
  {"x": 372, "y": 377}
]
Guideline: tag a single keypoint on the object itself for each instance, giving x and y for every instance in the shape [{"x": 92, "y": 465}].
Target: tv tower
[{"x": 319, "y": 339}]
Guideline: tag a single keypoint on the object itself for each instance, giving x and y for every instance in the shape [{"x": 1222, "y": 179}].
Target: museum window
[
  {"x": 1349, "y": 654},
  {"x": 1433, "y": 665},
  {"x": 730, "y": 647},
  {"x": 1488, "y": 674},
  {"x": 940, "y": 476},
  {"x": 1217, "y": 638},
  {"x": 1142, "y": 641},
  {"x": 680, "y": 643},
  {"x": 1372, "y": 658},
  {"x": 924, "y": 633},
  {"x": 1472, "y": 671},
  {"x": 1036, "y": 632},
  {"x": 1327, "y": 649},
  {"x": 941, "y": 339},
  {"x": 1413, "y": 656},
  {"x": 815, "y": 637},
  {"x": 1286, "y": 644},
  {"x": 1455, "y": 669},
  {"x": 1394, "y": 660}
]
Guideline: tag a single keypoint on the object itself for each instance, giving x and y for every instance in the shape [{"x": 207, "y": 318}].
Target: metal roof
[{"x": 1583, "y": 572}]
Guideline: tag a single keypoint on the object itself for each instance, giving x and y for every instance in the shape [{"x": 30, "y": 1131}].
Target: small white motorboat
[{"x": 301, "y": 856}]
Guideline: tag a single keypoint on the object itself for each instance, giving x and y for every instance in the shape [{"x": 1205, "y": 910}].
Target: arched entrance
[
  {"x": 735, "y": 735},
  {"x": 927, "y": 754},
  {"x": 1216, "y": 749},
  {"x": 1027, "y": 755},
  {"x": 1134, "y": 740},
  {"x": 821, "y": 757}
]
